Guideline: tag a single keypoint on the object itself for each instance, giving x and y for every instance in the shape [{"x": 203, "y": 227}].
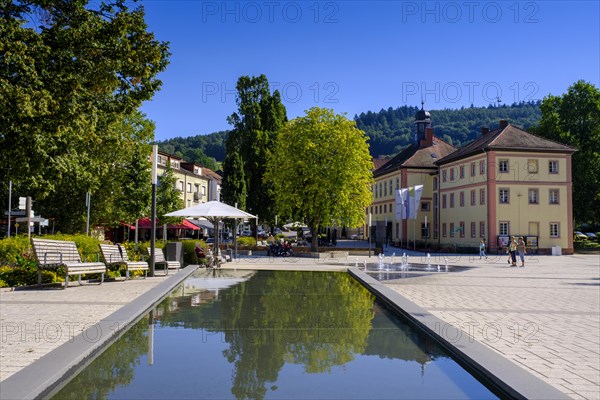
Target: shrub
[
  {"x": 87, "y": 245},
  {"x": 134, "y": 254},
  {"x": 23, "y": 275},
  {"x": 246, "y": 241},
  {"x": 12, "y": 248},
  {"x": 189, "y": 252}
]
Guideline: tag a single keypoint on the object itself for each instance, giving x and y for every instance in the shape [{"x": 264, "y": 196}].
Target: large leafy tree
[
  {"x": 574, "y": 119},
  {"x": 259, "y": 118},
  {"x": 327, "y": 173},
  {"x": 233, "y": 190},
  {"x": 123, "y": 178},
  {"x": 130, "y": 175},
  {"x": 70, "y": 71}
]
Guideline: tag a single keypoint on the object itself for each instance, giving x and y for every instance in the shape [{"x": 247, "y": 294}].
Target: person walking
[
  {"x": 512, "y": 250},
  {"x": 522, "y": 250},
  {"x": 482, "y": 249}
]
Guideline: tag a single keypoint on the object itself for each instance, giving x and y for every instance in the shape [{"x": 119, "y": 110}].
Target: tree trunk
[{"x": 314, "y": 244}]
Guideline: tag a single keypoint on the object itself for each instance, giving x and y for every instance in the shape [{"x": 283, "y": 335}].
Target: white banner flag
[
  {"x": 399, "y": 204},
  {"x": 402, "y": 204},
  {"x": 415, "y": 200}
]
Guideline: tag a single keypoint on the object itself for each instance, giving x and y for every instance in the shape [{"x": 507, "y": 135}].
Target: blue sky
[{"x": 356, "y": 56}]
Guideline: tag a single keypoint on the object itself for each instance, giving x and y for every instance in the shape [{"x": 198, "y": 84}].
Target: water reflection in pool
[{"x": 272, "y": 335}]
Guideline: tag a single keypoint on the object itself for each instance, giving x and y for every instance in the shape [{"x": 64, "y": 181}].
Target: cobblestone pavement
[
  {"x": 544, "y": 317},
  {"x": 35, "y": 322}
]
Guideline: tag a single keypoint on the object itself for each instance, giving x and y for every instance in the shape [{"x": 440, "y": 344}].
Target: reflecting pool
[{"x": 272, "y": 335}]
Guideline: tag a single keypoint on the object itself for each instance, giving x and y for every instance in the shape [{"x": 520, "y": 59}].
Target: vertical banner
[
  {"x": 415, "y": 199},
  {"x": 403, "y": 207},
  {"x": 154, "y": 164},
  {"x": 399, "y": 204}
]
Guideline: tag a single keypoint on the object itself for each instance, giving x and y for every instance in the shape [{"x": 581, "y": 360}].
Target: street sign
[
  {"x": 22, "y": 203},
  {"x": 33, "y": 219}
]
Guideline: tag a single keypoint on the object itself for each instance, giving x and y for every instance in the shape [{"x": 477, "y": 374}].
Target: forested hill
[
  {"x": 392, "y": 129},
  {"x": 202, "y": 149},
  {"x": 389, "y": 130}
]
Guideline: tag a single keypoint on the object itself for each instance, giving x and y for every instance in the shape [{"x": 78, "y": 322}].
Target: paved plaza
[
  {"x": 35, "y": 322},
  {"x": 544, "y": 317}
]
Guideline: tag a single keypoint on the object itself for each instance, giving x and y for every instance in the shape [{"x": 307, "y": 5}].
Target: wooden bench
[
  {"x": 159, "y": 258},
  {"x": 114, "y": 254},
  {"x": 58, "y": 253}
]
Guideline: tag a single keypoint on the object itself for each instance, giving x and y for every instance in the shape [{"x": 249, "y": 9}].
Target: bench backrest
[
  {"x": 111, "y": 253},
  {"x": 123, "y": 253},
  {"x": 54, "y": 252},
  {"x": 158, "y": 254}
]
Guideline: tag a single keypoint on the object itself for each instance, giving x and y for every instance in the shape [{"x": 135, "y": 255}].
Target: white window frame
[
  {"x": 550, "y": 196},
  {"x": 535, "y": 199},
  {"x": 502, "y": 225},
  {"x": 501, "y": 197}
]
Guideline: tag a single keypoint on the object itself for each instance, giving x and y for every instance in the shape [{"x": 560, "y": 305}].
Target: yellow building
[
  {"x": 196, "y": 183},
  {"x": 415, "y": 165},
  {"x": 507, "y": 182}
]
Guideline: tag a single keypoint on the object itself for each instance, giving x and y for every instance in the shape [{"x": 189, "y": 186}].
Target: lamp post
[
  {"x": 519, "y": 212},
  {"x": 153, "y": 212},
  {"x": 88, "y": 203},
  {"x": 9, "y": 205},
  {"x": 369, "y": 235}
]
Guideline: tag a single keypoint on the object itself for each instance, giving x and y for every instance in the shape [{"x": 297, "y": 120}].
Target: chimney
[
  {"x": 428, "y": 140},
  {"x": 503, "y": 123},
  {"x": 484, "y": 130}
]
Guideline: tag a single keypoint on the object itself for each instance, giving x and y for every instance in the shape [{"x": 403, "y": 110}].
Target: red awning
[
  {"x": 189, "y": 225},
  {"x": 146, "y": 223}
]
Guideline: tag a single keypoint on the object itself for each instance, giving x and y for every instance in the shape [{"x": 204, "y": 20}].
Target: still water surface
[{"x": 272, "y": 335}]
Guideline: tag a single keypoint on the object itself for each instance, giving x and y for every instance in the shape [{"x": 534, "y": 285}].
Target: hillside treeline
[{"x": 389, "y": 130}]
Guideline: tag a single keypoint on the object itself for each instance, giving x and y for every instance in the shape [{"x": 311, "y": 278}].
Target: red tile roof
[
  {"x": 417, "y": 157},
  {"x": 509, "y": 138}
]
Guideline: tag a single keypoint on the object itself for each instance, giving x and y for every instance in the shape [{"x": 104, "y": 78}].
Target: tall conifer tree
[{"x": 259, "y": 118}]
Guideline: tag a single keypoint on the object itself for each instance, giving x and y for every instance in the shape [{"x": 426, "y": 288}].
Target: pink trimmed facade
[{"x": 513, "y": 184}]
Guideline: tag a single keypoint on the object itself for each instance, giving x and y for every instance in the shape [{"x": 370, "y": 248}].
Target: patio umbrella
[{"x": 213, "y": 211}]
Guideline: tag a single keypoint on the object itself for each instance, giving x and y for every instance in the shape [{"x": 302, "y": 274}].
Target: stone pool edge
[
  {"x": 41, "y": 378},
  {"x": 501, "y": 376}
]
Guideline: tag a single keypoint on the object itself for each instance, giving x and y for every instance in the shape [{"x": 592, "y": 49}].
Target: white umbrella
[{"x": 214, "y": 211}]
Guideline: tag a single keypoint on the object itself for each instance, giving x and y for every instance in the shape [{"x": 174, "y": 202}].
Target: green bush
[
  {"x": 12, "y": 248},
  {"x": 3, "y": 284},
  {"x": 139, "y": 254},
  {"x": 246, "y": 241},
  {"x": 23, "y": 275},
  {"x": 189, "y": 252},
  {"x": 87, "y": 245}
]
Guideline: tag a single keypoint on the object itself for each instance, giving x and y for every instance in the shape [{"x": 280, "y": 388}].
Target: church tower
[{"x": 422, "y": 122}]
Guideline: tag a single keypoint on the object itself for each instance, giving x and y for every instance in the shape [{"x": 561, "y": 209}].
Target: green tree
[
  {"x": 326, "y": 176},
  {"x": 260, "y": 116},
  {"x": 167, "y": 196},
  {"x": 64, "y": 81},
  {"x": 574, "y": 119},
  {"x": 233, "y": 189}
]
